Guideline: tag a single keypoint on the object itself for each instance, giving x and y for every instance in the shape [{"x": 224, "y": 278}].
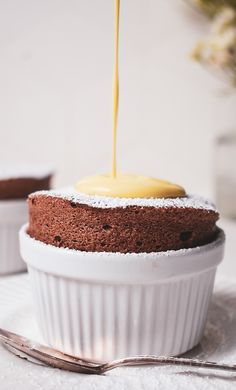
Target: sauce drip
[
  {"x": 125, "y": 185},
  {"x": 116, "y": 88}
]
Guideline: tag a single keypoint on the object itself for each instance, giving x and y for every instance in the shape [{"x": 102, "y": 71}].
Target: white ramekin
[
  {"x": 111, "y": 305},
  {"x": 13, "y": 213}
]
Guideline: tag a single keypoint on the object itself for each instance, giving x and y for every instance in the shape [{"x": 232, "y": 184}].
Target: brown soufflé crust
[
  {"x": 63, "y": 223},
  {"x": 20, "y": 188}
]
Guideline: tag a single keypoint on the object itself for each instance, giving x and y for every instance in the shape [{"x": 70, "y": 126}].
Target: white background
[{"x": 56, "y": 59}]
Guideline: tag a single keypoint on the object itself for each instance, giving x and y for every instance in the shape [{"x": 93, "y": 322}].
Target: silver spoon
[{"x": 54, "y": 358}]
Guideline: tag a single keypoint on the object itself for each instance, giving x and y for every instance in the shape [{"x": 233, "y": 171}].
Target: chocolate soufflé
[
  {"x": 19, "y": 182},
  {"x": 98, "y": 224}
]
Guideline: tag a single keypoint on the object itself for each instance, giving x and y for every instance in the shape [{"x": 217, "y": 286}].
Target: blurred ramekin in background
[{"x": 16, "y": 182}]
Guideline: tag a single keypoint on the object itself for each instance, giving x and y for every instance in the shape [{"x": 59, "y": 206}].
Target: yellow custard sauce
[
  {"x": 129, "y": 186},
  {"x": 116, "y": 87},
  {"x": 125, "y": 185}
]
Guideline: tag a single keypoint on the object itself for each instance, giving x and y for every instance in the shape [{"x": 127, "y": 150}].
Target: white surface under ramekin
[
  {"x": 13, "y": 213},
  {"x": 111, "y": 305}
]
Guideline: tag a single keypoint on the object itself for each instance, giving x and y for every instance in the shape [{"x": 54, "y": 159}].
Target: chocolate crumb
[{"x": 131, "y": 229}]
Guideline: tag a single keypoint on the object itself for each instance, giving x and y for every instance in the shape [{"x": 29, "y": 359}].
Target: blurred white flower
[
  {"x": 224, "y": 40},
  {"x": 218, "y": 50},
  {"x": 223, "y": 19}
]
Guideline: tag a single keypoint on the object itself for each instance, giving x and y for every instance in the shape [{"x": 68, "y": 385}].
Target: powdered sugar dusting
[
  {"x": 22, "y": 171},
  {"x": 190, "y": 201}
]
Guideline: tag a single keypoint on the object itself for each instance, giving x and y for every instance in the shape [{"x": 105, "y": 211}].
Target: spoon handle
[{"x": 163, "y": 360}]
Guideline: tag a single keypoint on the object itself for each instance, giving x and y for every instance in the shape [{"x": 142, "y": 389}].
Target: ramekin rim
[
  {"x": 118, "y": 267},
  {"x": 219, "y": 240}
]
